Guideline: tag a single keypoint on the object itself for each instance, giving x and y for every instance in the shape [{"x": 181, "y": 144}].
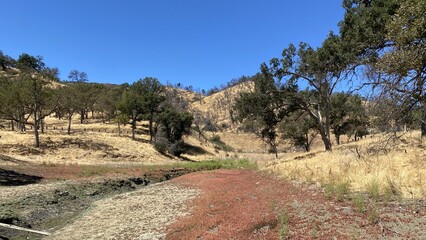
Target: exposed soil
[
  {"x": 219, "y": 204},
  {"x": 53, "y": 204},
  {"x": 142, "y": 214},
  {"x": 239, "y": 204}
]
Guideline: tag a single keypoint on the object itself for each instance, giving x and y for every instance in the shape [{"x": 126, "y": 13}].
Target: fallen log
[{"x": 23, "y": 229}]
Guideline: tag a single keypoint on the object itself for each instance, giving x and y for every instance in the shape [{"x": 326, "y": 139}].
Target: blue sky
[{"x": 193, "y": 42}]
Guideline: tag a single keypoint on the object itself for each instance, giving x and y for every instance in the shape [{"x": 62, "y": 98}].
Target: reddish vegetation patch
[{"x": 239, "y": 204}]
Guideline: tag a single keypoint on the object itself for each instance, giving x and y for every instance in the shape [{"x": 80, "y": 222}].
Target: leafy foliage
[{"x": 267, "y": 105}]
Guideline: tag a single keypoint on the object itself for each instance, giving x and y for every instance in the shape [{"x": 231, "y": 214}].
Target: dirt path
[
  {"x": 224, "y": 204},
  {"x": 142, "y": 214},
  {"x": 249, "y": 205}
]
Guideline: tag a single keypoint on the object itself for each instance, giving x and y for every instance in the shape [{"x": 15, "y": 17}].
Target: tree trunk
[
  {"x": 307, "y": 143},
  {"x": 81, "y": 116},
  {"x": 119, "y": 130},
  {"x": 69, "y": 124},
  {"x": 133, "y": 124},
  {"x": 36, "y": 121},
  {"x": 325, "y": 138},
  {"x": 151, "y": 132},
  {"x": 42, "y": 124},
  {"x": 12, "y": 125},
  {"x": 423, "y": 125},
  {"x": 133, "y": 128},
  {"x": 327, "y": 143},
  {"x": 337, "y": 139},
  {"x": 325, "y": 135}
]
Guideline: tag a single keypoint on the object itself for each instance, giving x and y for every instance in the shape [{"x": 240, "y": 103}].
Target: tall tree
[
  {"x": 30, "y": 63},
  {"x": 389, "y": 39},
  {"x": 153, "y": 95},
  {"x": 84, "y": 92},
  {"x": 106, "y": 103},
  {"x": 405, "y": 64},
  {"x": 322, "y": 70},
  {"x": 68, "y": 103},
  {"x": 77, "y": 76},
  {"x": 6, "y": 61},
  {"x": 266, "y": 106},
  {"x": 142, "y": 100},
  {"x": 29, "y": 95},
  {"x": 348, "y": 115},
  {"x": 300, "y": 129}
]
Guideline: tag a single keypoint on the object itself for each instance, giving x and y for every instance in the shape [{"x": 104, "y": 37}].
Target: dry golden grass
[
  {"x": 396, "y": 165},
  {"x": 217, "y": 106},
  {"x": 98, "y": 144}
]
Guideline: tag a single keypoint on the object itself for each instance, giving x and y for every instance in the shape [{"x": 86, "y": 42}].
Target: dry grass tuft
[{"x": 379, "y": 165}]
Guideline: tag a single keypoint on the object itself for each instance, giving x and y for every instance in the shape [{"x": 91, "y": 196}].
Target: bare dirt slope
[{"x": 142, "y": 214}]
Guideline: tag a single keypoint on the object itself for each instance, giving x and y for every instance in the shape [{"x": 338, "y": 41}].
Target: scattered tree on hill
[
  {"x": 28, "y": 95},
  {"x": 322, "y": 70},
  {"x": 267, "y": 106},
  {"x": 172, "y": 125},
  {"x": 6, "y": 61},
  {"x": 300, "y": 129},
  {"x": 30, "y": 63},
  {"x": 348, "y": 116},
  {"x": 86, "y": 93},
  {"x": 143, "y": 100},
  {"x": 152, "y": 93},
  {"x": 107, "y": 99},
  {"x": 68, "y": 103}
]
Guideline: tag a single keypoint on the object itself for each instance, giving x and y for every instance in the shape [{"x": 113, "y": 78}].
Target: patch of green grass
[
  {"x": 372, "y": 214},
  {"x": 218, "y": 164},
  {"x": 91, "y": 170},
  {"x": 373, "y": 189},
  {"x": 338, "y": 190},
  {"x": 391, "y": 191},
  {"x": 100, "y": 170},
  {"x": 342, "y": 190},
  {"x": 359, "y": 202},
  {"x": 220, "y": 145},
  {"x": 283, "y": 219},
  {"x": 329, "y": 190}
]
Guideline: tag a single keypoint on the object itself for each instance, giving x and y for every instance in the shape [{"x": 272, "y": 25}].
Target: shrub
[
  {"x": 161, "y": 145},
  {"x": 177, "y": 148},
  {"x": 219, "y": 144},
  {"x": 359, "y": 203},
  {"x": 342, "y": 190},
  {"x": 373, "y": 215},
  {"x": 373, "y": 189},
  {"x": 283, "y": 219}
]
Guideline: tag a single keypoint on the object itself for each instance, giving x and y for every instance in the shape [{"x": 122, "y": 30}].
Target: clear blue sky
[{"x": 194, "y": 42}]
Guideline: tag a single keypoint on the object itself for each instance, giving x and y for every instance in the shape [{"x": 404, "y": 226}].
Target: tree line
[
  {"x": 381, "y": 49},
  {"x": 30, "y": 91}
]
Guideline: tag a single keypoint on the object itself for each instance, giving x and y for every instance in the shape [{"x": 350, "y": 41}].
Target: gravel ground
[
  {"x": 18, "y": 192},
  {"x": 143, "y": 214}
]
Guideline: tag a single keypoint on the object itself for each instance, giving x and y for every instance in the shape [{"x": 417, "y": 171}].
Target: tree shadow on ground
[
  {"x": 12, "y": 178},
  {"x": 194, "y": 150},
  {"x": 7, "y": 159}
]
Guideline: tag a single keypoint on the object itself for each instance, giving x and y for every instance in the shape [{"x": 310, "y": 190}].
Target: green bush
[
  {"x": 373, "y": 189},
  {"x": 359, "y": 202},
  {"x": 161, "y": 145},
  {"x": 220, "y": 145},
  {"x": 177, "y": 148}
]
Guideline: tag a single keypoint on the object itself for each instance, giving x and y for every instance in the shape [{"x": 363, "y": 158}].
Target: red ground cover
[{"x": 242, "y": 204}]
